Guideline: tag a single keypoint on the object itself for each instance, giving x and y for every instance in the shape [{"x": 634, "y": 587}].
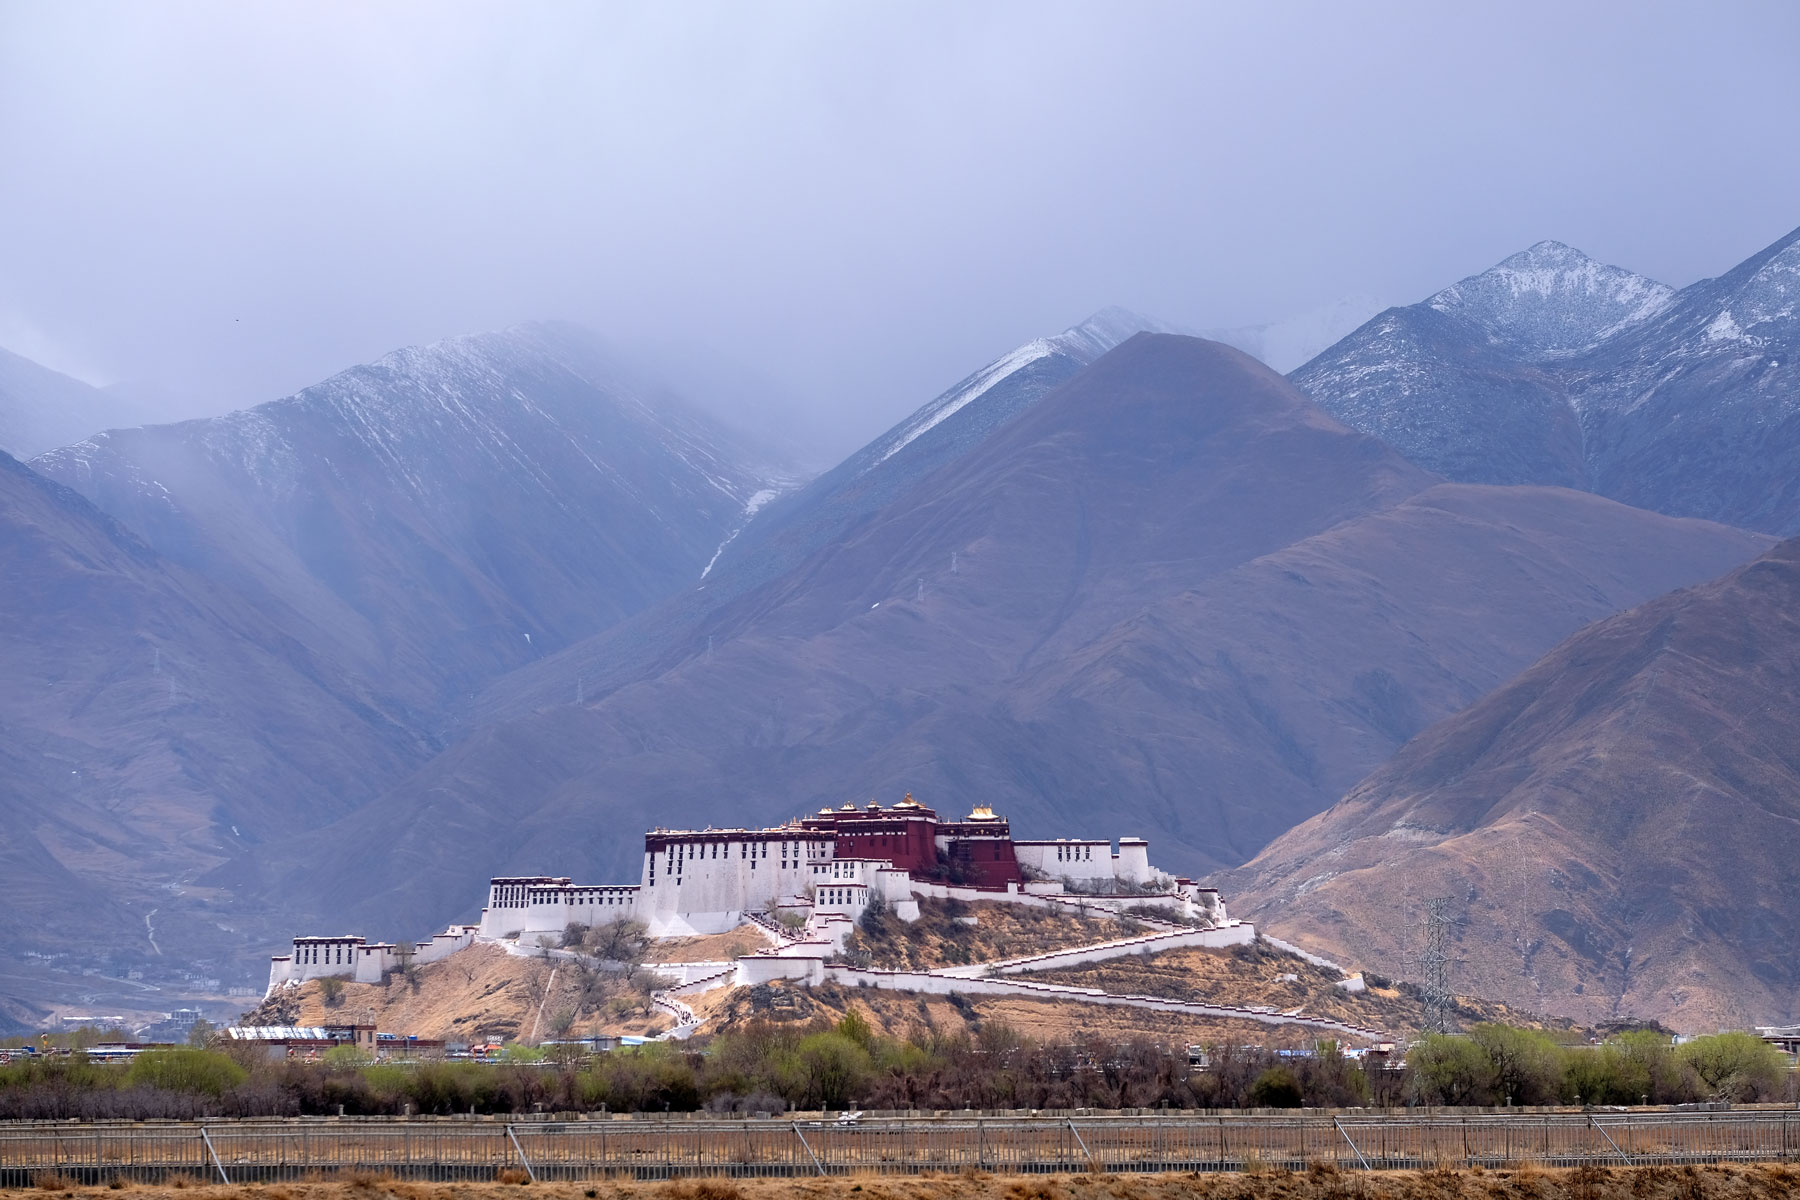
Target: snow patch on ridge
[
  {"x": 1724, "y": 329},
  {"x": 751, "y": 508},
  {"x": 1084, "y": 343},
  {"x": 973, "y": 389}
]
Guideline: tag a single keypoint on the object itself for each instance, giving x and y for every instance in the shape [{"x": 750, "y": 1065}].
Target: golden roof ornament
[
  {"x": 983, "y": 812},
  {"x": 909, "y": 802}
]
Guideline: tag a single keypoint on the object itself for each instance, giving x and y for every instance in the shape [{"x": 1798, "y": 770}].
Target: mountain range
[
  {"x": 1170, "y": 596},
  {"x": 500, "y": 602},
  {"x": 1552, "y": 368}
]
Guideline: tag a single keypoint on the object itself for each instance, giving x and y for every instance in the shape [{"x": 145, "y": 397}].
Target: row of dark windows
[{"x": 674, "y": 859}]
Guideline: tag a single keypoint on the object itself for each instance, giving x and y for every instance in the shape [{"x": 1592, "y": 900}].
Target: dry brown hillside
[
  {"x": 1242, "y": 975},
  {"x": 1257, "y": 975},
  {"x": 951, "y": 932},
  {"x": 482, "y": 993},
  {"x": 1615, "y": 828}
]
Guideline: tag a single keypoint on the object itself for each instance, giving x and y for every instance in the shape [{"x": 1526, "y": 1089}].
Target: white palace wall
[{"x": 699, "y": 883}]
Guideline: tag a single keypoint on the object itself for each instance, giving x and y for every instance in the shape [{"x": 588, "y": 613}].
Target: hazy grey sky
[{"x": 857, "y": 202}]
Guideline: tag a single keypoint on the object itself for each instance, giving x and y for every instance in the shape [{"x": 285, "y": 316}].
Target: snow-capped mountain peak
[
  {"x": 1551, "y": 299},
  {"x": 1552, "y": 368}
]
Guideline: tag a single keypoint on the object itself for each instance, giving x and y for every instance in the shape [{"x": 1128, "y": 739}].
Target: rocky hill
[
  {"x": 1553, "y": 368},
  {"x": 1615, "y": 827}
]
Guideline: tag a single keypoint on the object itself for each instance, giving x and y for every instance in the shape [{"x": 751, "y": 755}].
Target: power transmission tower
[{"x": 1435, "y": 964}]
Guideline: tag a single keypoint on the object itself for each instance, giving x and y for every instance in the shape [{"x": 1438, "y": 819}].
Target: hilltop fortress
[{"x": 804, "y": 884}]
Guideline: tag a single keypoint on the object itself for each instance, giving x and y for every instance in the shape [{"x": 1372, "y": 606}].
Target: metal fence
[{"x": 460, "y": 1148}]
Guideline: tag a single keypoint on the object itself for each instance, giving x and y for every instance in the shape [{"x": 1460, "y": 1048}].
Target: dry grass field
[{"x": 1721, "y": 1182}]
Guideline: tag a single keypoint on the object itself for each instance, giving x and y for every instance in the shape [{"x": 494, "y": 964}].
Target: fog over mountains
[
  {"x": 447, "y": 513},
  {"x": 41, "y": 409},
  {"x": 498, "y": 603}
]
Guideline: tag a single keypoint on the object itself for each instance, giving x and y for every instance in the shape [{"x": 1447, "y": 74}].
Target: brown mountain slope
[
  {"x": 1618, "y": 827},
  {"x": 150, "y": 722},
  {"x": 1172, "y": 598}
]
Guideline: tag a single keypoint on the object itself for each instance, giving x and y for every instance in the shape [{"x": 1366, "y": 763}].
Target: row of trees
[
  {"x": 772, "y": 1068},
  {"x": 1499, "y": 1065}
]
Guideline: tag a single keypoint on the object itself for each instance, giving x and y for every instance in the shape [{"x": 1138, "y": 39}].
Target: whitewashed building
[{"x": 826, "y": 868}]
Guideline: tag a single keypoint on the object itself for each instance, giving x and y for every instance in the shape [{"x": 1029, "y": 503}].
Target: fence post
[
  {"x": 809, "y": 1149},
  {"x": 1084, "y": 1148},
  {"x": 520, "y": 1151},
  {"x": 223, "y": 1178}
]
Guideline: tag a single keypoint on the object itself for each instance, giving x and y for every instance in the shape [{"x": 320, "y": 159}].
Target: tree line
[{"x": 767, "y": 1067}]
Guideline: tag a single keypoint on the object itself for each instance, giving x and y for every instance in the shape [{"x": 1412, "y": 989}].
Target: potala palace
[{"x": 804, "y": 884}]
